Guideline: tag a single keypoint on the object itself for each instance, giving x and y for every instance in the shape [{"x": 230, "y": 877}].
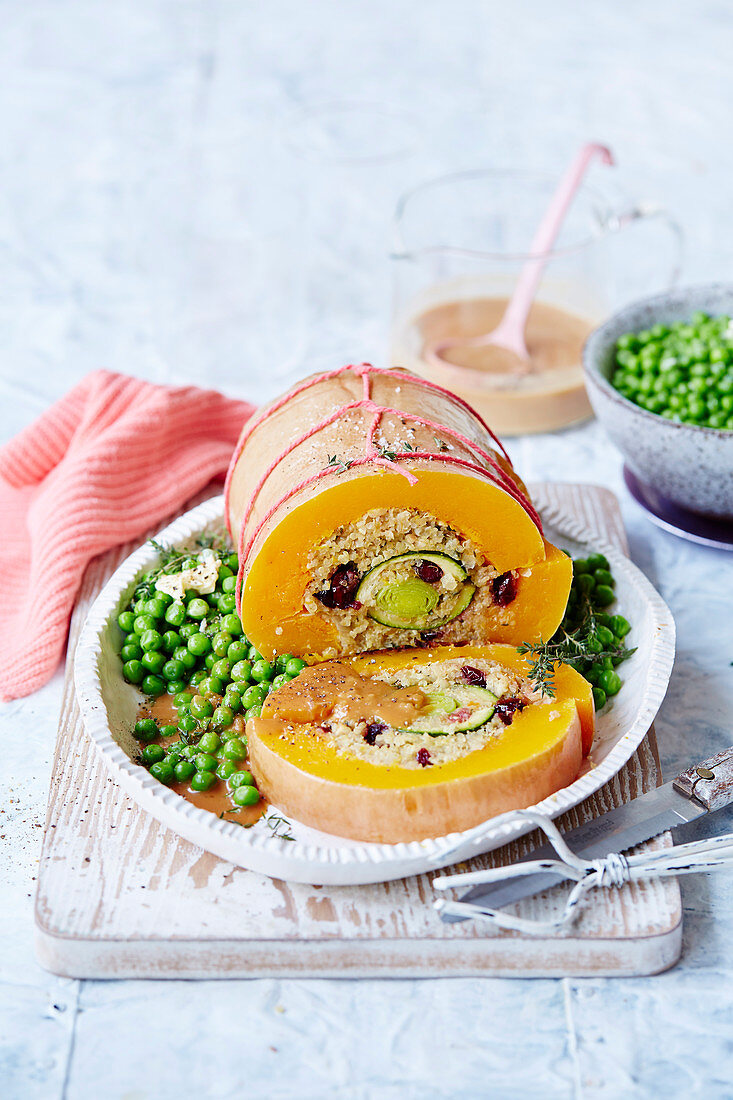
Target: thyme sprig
[
  {"x": 339, "y": 464},
  {"x": 279, "y": 826}
]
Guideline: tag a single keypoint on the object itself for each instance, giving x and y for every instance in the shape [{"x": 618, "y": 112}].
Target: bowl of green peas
[{"x": 659, "y": 376}]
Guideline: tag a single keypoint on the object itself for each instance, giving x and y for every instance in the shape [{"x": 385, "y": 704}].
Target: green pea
[
  {"x": 163, "y": 772},
  {"x": 254, "y": 695},
  {"x": 222, "y": 669},
  {"x": 171, "y": 641},
  {"x": 182, "y": 698},
  {"x": 187, "y": 723},
  {"x": 610, "y": 681},
  {"x": 146, "y": 729},
  {"x": 209, "y": 661},
  {"x": 209, "y": 742},
  {"x": 151, "y": 754},
  {"x": 604, "y": 577},
  {"x": 201, "y": 781},
  {"x": 254, "y": 711},
  {"x": 241, "y": 779},
  {"x": 586, "y": 582},
  {"x": 234, "y": 749},
  {"x": 183, "y": 654},
  {"x": 597, "y": 561},
  {"x": 201, "y": 707},
  {"x": 133, "y": 671},
  {"x": 229, "y": 584},
  {"x": 153, "y": 685},
  {"x": 605, "y": 636},
  {"x": 279, "y": 681},
  {"x": 215, "y": 685},
  {"x": 126, "y": 622},
  {"x": 620, "y": 626},
  {"x": 224, "y": 572},
  {"x": 603, "y": 595},
  {"x": 197, "y": 608},
  {"x": 226, "y": 769},
  {"x": 245, "y": 796},
  {"x": 294, "y": 666},
  {"x": 130, "y": 652},
  {"x": 580, "y": 566},
  {"x": 173, "y": 670},
  {"x": 233, "y": 562},
  {"x": 153, "y": 661},
  {"x": 262, "y": 671},
  {"x": 223, "y": 716},
  {"x": 151, "y": 640},
  {"x": 205, "y": 762},
  {"x": 254, "y": 654},
  {"x": 233, "y": 700},
  {"x": 220, "y": 643},
  {"x": 242, "y": 670},
  {"x": 198, "y": 677},
  {"x": 198, "y": 645},
  {"x": 169, "y": 730},
  {"x": 237, "y": 652},
  {"x": 183, "y": 770},
  {"x": 158, "y": 606},
  {"x": 227, "y": 603},
  {"x": 175, "y": 614},
  {"x": 143, "y": 623},
  {"x": 188, "y": 630},
  {"x": 232, "y": 624}
]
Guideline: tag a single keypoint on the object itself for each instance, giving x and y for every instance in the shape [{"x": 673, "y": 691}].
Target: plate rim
[{"x": 298, "y": 860}]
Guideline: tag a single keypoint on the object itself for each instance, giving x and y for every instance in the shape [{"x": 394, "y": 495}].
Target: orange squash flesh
[
  {"x": 539, "y": 753},
  {"x": 273, "y": 587}
]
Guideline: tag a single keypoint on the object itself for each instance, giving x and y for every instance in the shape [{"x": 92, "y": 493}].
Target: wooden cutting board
[{"x": 121, "y": 896}]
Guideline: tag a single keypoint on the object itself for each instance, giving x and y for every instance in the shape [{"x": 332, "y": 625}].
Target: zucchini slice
[{"x": 475, "y": 707}]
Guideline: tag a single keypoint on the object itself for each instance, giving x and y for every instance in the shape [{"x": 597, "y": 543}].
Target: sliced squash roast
[
  {"x": 372, "y": 509},
  {"x": 402, "y": 745}
]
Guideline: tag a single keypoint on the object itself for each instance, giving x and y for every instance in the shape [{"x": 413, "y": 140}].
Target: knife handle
[{"x": 711, "y": 783}]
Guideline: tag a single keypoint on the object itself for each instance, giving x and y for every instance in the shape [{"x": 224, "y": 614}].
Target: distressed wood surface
[{"x": 120, "y": 896}]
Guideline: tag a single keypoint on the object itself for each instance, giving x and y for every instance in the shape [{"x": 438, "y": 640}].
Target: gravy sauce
[
  {"x": 551, "y": 395},
  {"x": 334, "y": 689}
]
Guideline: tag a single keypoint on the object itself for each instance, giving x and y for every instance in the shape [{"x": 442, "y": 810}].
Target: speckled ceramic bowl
[{"x": 689, "y": 465}]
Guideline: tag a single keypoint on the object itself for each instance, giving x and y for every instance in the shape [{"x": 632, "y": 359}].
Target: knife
[{"x": 699, "y": 790}]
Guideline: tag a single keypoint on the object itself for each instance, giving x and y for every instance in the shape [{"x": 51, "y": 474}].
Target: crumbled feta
[{"x": 202, "y": 578}]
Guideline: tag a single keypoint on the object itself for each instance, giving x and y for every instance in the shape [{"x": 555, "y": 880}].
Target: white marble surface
[{"x": 151, "y": 222}]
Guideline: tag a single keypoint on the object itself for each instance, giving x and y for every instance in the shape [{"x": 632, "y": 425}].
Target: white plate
[{"x": 109, "y": 705}]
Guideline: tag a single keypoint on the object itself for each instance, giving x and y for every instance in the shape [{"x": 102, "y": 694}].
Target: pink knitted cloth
[{"x": 103, "y": 465}]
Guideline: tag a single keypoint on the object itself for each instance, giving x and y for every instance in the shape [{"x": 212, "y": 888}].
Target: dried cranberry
[
  {"x": 507, "y": 708},
  {"x": 504, "y": 589},
  {"x": 423, "y": 757},
  {"x": 429, "y": 636},
  {"x": 473, "y": 676},
  {"x": 341, "y": 591},
  {"x": 428, "y": 571},
  {"x": 372, "y": 731}
]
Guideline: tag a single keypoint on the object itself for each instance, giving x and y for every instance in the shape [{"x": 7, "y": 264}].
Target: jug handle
[{"x": 641, "y": 210}]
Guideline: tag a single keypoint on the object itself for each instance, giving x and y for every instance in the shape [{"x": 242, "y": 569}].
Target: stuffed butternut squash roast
[{"x": 384, "y": 537}]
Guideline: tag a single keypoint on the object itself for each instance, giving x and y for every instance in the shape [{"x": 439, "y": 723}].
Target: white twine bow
[{"x": 613, "y": 870}]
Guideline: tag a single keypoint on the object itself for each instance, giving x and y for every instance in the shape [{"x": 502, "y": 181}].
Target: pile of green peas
[
  {"x": 593, "y": 581},
  {"x": 195, "y": 650},
  {"x": 682, "y": 371}
]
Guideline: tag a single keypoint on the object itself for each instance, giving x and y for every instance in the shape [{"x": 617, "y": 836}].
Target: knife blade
[{"x": 694, "y": 793}]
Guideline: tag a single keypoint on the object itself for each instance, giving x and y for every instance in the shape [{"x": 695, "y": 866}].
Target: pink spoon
[{"x": 509, "y": 333}]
